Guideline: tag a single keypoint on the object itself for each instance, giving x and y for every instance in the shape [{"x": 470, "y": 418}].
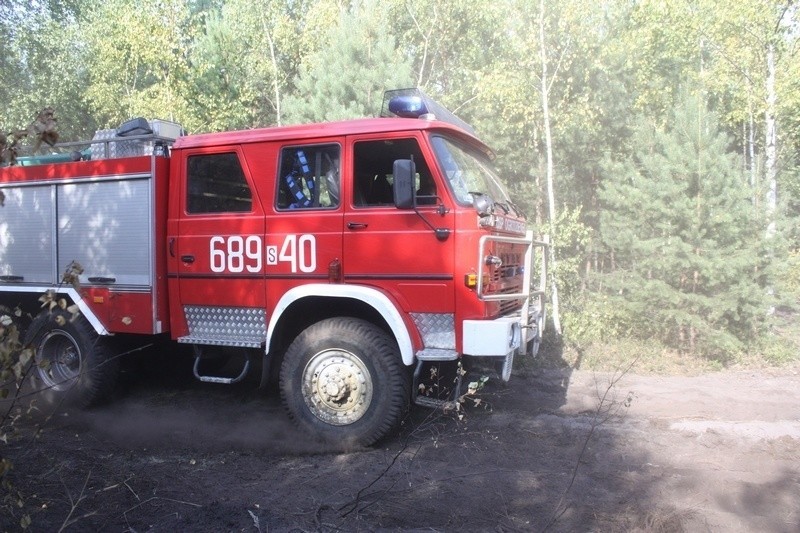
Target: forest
[{"x": 657, "y": 143}]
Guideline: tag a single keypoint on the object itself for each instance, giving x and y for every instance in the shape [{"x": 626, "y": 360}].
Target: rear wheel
[
  {"x": 342, "y": 380},
  {"x": 72, "y": 364}
]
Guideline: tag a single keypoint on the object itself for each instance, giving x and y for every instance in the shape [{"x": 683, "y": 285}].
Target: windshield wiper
[{"x": 516, "y": 209}]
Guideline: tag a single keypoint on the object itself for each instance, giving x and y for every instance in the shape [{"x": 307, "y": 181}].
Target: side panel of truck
[{"x": 101, "y": 216}]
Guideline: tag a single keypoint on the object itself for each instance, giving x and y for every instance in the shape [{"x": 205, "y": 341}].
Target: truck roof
[{"x": 327, "y": 129}]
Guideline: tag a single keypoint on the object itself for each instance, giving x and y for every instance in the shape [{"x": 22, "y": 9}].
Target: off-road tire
[
  {"x": 342, "y": 380},
  {"x": 72, "y": 366}
]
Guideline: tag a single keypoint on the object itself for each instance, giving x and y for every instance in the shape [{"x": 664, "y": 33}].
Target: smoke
[{"x": 203, "y": 418}]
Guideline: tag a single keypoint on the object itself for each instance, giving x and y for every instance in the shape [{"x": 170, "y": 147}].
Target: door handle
[
  {"x": 187, "y": 258},
  {"x": 172, "y": 247},
  {"x": 356, "y": 225},
  {"x": 102, "y": 279}
]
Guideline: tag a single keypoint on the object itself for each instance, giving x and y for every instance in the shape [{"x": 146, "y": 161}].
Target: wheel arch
[
  {"x": 29, "y": 300},
  {"x": 302, "y": 306}
]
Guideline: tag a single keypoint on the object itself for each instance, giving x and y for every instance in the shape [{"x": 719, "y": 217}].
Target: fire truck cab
[{"x": 350, "y": 256}]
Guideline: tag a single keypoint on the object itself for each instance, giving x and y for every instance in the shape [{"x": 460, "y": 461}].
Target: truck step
[
  {"x": 220, "y": 379},
  {"x": 236, "y": 342},
  {"x": 436, "y": 354},
  {"x": 435, "y": 403}
]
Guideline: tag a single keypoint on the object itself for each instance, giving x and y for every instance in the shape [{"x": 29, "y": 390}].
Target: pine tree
[
  {"x": 683, "y": 237},
  {"x": 347, "y": 78}
]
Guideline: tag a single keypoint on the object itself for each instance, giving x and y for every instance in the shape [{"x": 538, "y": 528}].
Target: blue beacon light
[{"x": 408, "y": 106}]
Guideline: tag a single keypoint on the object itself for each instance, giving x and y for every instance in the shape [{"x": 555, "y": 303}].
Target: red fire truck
[{"x": 349, "y": 256}]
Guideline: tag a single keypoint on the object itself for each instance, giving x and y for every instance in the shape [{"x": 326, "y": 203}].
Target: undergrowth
[{"x": 777, "y": 348}]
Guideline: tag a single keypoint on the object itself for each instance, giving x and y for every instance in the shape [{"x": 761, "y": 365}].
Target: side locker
[
  {"x": 107, "y": 226},
  {"x": 27, "y": 239}
]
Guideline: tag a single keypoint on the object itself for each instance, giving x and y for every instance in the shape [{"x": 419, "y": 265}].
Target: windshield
[{"x": 468, "y": 172}]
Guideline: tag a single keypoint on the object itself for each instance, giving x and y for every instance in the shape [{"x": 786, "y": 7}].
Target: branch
[
  {"x": 425, "y": 39},
  {"x": 558, "y": 64},
  {"x": 464, "y": 103},
  {"x": 597, "y": 421},
  {"x": 75, "y": 503},
  {"x": 353, "y": 504}
]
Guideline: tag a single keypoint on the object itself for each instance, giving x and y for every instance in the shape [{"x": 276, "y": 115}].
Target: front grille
[{"x": 509, "y": 277}]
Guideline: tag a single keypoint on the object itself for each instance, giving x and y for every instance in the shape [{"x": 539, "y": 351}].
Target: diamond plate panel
[
  {"x": 229, "y": 324},
  {"x": 437, "y": 329},
  {"x": 118, "y": 148}
]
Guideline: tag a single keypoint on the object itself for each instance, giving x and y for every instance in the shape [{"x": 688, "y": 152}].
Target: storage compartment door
[
  {"x": 106, "y": 227},
  {"x": 26, "y": 235}
]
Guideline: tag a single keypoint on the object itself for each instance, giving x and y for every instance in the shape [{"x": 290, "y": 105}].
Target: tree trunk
[
  {"x": 276, "y": 71},
  {"x": 551, "y": 202},
  {"x": 751, "y": 152},
  {"x": 770, "y": 144}
]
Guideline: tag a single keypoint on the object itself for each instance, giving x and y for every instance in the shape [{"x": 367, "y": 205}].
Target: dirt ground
[{"x": 557, "y": 450}]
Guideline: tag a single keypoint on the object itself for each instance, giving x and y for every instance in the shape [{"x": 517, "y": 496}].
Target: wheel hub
[
  {"x": 69, "y": 358},
  {"x": 337, "y": 387},
  {"x": 58, "y": 360}
]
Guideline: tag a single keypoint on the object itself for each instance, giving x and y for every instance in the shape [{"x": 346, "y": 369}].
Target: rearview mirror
[{"x": 404, "y": 171}]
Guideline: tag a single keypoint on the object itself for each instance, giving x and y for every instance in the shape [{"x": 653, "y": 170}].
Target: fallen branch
[
  {"x": 75, "y": 503},
  {"x": 602, "y": 414}
]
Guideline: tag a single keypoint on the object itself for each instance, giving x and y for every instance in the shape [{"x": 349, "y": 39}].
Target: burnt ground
[{"x": 556, "y": 449}]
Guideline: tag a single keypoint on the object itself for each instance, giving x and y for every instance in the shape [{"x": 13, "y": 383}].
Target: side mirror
[{"x": 404, "y": 171}]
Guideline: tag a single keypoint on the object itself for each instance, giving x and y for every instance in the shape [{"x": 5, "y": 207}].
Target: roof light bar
[
  {"x": 407, "y": 106},
  {"x": 413, "y": 103}
]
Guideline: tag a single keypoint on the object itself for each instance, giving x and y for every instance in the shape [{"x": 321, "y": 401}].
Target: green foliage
[
  {"x": 138, "y": 57},
  {"x": 788, "y": 277},
  {"x": 595, "y": 317},
  {"x": 777, "y": 351},
  {"x": 571, "y": 242},
  {"x": 244, "y": 61},
  {"x": 41, "y": 65},
  {"x": 680, "y": 227},
  {"x": 347, "y": 78},
  {"x": 218, "y": 82}
]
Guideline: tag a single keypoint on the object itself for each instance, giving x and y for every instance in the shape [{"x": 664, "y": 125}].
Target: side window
[
  {"x": 373, "y": 162},
  {"x": 309, "y": 177},
  {"x": 216, "y": 184}
]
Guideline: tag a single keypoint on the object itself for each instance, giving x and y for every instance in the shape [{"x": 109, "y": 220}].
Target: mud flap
[{"x": 505, "y": 368}]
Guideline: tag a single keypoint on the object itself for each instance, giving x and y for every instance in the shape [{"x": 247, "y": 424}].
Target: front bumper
[
  {"x": 492, "y": 338},
  {"x": 501, "y": 339}
]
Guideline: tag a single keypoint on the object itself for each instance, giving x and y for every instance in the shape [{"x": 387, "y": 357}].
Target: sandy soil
[{"x": 555, "y": 450}]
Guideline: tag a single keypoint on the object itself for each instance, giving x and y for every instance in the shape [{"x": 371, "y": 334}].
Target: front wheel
[
  {"x": 72, "y": 364},
  {"x": 342, "y": 380}
]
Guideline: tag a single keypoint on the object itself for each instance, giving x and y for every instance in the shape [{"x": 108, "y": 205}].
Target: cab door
[
  {"x": 219, "y": 251},
  {"x": 392, "y": 249},
  {"x": 303, "y": 240}
]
